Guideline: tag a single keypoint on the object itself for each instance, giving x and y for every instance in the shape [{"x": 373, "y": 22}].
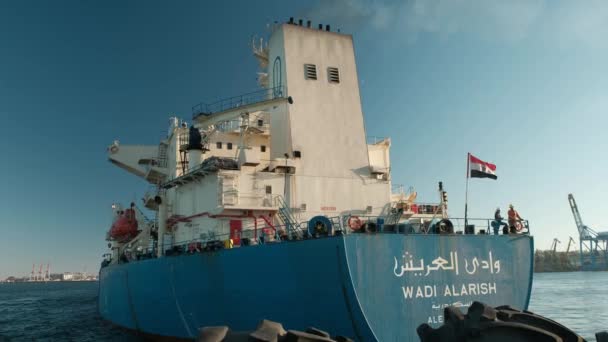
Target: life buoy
[
  {"x": 355, "y": 223},
  {"x": 113, "y": 148},
  {"x": 518, "y": 226}
]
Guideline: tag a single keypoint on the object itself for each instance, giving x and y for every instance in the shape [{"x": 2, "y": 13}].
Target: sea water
[{"x": 67, "y": 311}]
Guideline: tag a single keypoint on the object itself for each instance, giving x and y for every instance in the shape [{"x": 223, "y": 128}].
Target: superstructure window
[
  {"x": 263, "y": 148},
  {"x": 218, "y": 145},
  {"x": 229, "y": 146},
  {"x": 268, "y": 189},
  {"x": 333, "y": 75},
  {"x": 310, "y": 71},
  {"x": 260, "y": 123}
]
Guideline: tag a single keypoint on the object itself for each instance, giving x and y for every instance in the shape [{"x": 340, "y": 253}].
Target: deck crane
[{"x": 593, "y": 245}]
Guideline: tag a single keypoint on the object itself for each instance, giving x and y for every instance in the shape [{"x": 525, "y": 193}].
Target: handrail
[
  {"x": 486, "y": 223},
  {"x": 215, "y": 242},
  {"x": 373, "y": 140},
  {"x": 238, "y": 101}
]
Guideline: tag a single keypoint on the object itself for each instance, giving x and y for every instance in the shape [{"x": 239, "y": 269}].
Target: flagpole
[{"x": 466, "y": 194}]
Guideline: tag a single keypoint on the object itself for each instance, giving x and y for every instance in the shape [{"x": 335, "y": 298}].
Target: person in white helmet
[{"x": 514, "y": 219}]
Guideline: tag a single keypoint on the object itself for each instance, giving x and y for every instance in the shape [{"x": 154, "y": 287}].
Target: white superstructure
[{"x": 295, "y": 150}]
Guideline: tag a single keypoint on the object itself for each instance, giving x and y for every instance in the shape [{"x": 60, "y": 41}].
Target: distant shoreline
[{"x": 50, "y": 281}]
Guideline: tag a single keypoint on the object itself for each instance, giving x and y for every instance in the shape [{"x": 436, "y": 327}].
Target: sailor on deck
[
  {"x": 497, "y": 223},
  {"x": 514, "y": 220}
]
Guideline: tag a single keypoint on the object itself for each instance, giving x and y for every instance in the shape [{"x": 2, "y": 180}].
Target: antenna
[{"x": 33, "y": 270}]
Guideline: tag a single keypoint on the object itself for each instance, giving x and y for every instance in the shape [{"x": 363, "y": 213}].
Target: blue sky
[{"x": 519, "y": 83}]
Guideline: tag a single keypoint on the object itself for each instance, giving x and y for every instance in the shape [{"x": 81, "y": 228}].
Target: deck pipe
[{"x": 162, "y": 225}]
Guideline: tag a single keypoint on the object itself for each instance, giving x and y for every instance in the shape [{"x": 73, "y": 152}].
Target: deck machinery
[{"x": 593, "y": 245}]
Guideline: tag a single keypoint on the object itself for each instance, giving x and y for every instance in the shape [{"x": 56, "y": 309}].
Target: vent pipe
[
  {"x": 308, "y": 24},
  {"x": 300, "y": 22},
  {"x": 320, "y": 26},
  {"x": 326, "y": 27},
  {"x": 291, "y": 20}
]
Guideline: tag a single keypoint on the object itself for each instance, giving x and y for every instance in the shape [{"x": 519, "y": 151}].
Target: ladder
[
  {"x": 287, "y": 218},
  {"x": 162, "y": 154},
  {"x": 141, "y": 217},
  {"x": 394, "y": 216}
]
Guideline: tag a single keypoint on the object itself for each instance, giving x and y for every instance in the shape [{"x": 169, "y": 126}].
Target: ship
[{"x": 275, "y": 205}]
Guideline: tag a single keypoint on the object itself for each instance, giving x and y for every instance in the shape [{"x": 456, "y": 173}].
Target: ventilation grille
[
  {"x": 310, "y": 71},
  {"x": 333, "y": 74}
]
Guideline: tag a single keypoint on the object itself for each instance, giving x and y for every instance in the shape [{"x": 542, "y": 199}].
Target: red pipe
[
  {"x": 268, "y": 223},
  {"x": 255, "y": 228},
  {"x": 188, "y": 218},
  {"x": 250, "y": 215}
]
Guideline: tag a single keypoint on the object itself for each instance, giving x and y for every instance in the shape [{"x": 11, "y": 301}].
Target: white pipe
[
  {"x": 162, "y": 226},
  {"x": 195, "y": 158}
]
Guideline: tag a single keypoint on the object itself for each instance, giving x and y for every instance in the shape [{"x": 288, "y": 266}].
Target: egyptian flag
[{"x": 480, "y": 169}]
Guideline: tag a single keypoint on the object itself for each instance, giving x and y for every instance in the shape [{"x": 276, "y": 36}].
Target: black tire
[
  {"x": 504, "y": 323},
  {"x": 445, "y": 226},
  {"x": 369, "y": 227}
]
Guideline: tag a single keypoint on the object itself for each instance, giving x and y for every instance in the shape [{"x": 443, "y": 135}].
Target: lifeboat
[{"x": 125, "y": 226}]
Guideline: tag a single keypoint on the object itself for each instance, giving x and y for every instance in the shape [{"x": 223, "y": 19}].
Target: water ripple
[
  {"x": 68, "y": 311},
  {"x": 577, "y": 300},
  {"x": 54, "y": 312}
]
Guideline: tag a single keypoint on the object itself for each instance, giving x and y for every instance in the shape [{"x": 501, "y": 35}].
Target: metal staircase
[
  {"x": 141, "y": 217},
  {"x": 287, "y": 217},
  {"x": 394, "y": 216},
  {"x": 162, "y": 154}
]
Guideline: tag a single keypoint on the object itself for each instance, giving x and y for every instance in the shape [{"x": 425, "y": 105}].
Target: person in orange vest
[{"x": 514, "y": 219}]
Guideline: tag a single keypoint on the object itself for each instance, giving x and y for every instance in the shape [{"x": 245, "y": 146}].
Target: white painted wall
[
  {"x": 325, "y": 123},
  {"x": 326, "y": 120},
  {"x": 279, "y": 117}
]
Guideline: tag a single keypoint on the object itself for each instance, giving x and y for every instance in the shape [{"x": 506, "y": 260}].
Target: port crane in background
[
  {"x": 571, "y": 242},
  {"x": 593, "y": 251},
  {"x": 554, "y": 245}
]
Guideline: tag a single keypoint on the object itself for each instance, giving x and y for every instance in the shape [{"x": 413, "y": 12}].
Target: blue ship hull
[{"x": 366, "y": 286}]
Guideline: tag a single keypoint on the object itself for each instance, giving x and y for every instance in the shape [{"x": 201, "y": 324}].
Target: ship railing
[
  {"x": 373, "y": 140},
  {"x": 482, "y": 226},
  {"x": 337, "y": 227},
  {"x": 278, "y": 234},
  {"x": 486, "y": 225},
  {"x": 239, "y": 101},
  {"x": 208, "y": 165},
  {"x": 426, "y": 208},
  {"x": 212, "y": 242},
  {"x": 230, "y": 126}
]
